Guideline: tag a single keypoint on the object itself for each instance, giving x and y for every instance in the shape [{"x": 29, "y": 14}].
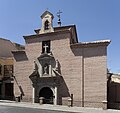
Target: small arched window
[{"x": 46, "y": 25}]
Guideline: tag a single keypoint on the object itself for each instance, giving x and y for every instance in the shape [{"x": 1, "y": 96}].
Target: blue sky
[{"x": 94, "y": 19}]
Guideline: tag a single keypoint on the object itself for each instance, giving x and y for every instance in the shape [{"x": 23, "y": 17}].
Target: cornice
[{"x": 91, "y": 44}]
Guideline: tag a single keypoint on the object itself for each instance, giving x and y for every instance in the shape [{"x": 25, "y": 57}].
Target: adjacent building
[
  {"x": 6, "y": 68},
  {"x": 113, "y": 91}
]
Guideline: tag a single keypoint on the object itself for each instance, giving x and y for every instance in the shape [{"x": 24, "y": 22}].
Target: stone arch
[
  {"x": 46, "y": 25},
  {"x": 48, "y": 95}
]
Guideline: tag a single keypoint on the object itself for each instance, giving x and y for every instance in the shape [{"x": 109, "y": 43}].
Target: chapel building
[{"x": 56, "y": 67}]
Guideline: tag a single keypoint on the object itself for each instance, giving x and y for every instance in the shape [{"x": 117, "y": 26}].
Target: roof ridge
[{"x": 5, "y": 39}]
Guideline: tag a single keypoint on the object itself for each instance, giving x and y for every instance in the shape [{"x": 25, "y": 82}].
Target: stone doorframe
[{"x": 53, "y": 89}]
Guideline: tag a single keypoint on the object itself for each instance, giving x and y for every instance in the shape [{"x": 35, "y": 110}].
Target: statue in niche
[{"x": 46, "y": 69}]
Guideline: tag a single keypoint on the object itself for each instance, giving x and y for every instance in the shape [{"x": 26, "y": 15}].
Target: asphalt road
[
  {"x": 9, "y": 109},
  {"x": 13, "y": 107}
]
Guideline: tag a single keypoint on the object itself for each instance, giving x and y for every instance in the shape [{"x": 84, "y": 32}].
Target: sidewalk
[{"x": 57, "y": 107}]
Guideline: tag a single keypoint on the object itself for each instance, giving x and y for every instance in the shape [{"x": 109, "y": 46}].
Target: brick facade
[{"x": 83, "y": 68}]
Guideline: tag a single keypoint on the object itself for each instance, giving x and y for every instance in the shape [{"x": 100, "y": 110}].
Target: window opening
[
  {"x": 46, "y": 25},
  {"x": 46, "y": 46},
  {"x": 8, "y": 70}
]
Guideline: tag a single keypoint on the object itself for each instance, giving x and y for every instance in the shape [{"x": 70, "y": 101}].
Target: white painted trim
[
  {"x": 55, "y": 100},
  {"x": 33, "y": 96}
]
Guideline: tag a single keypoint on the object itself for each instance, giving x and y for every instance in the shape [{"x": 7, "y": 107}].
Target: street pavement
[
  {"x": 8, "y": 109},
  {"x": 22, "y": 107}
]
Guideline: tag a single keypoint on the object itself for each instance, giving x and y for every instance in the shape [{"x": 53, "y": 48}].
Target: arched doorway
[{"x": 47, "y": 93}]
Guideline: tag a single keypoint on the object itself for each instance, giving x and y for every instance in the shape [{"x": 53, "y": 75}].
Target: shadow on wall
[
  {"x": 89, "y": 52},
  {"x": 20, "y": 88},
  {"x": 21, "y": 56},
  {"x": 77, "y": 51},
  {"x": 64, "y": 91}
]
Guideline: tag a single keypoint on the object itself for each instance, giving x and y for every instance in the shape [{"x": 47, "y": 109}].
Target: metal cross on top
[
  {"x": 58, "y": 14},
  {"x": 45, "y": 46},
  {"x": 59, "y": 21}
]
